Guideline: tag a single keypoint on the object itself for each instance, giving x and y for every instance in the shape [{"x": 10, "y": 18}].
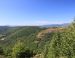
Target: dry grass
[{"x": 49, "y": 30}]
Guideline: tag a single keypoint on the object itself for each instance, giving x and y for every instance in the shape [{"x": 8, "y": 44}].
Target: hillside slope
[{"x": 39, "y": 42}]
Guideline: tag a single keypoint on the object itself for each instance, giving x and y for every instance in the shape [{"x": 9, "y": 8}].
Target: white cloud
[{"x": 45, "y": 22}]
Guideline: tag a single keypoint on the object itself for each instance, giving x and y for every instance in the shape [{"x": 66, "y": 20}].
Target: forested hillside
[{"x": 37, "y": 42}]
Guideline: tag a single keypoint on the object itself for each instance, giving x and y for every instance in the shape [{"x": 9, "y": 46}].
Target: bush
[
  {"x": 1, "y": 51},
  {"x": 26, "y": 54},
  {"x": 18, "y": 47}
]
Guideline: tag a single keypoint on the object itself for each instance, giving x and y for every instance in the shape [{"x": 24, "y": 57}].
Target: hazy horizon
[{"x": 36, "y": 12}]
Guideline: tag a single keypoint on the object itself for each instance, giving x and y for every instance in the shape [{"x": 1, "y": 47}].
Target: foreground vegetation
[{"x": 23, "y": 42}]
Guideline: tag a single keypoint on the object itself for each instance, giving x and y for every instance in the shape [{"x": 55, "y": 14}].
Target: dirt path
[{"x": 2, "y": 56}]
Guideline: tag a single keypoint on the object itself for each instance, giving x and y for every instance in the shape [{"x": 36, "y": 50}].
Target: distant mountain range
[
  {"x": 3, "y": 29},
  {"x": 56, "y": 25}
]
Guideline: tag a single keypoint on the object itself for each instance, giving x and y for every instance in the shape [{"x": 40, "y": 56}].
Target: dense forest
[{"x": 37, "y": 42}]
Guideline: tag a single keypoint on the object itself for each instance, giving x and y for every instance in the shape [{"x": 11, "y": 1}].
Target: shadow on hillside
[{"x": 26, "y": 54}]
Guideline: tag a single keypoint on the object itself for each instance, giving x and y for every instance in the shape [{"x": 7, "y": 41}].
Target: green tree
[{"x": 18, "y": 47}]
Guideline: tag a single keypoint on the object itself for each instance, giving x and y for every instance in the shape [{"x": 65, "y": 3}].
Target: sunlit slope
[{"x": 22, "y": 33}]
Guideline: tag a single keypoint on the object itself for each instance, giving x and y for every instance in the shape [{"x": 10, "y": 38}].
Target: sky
[{"x": 36, "y": 12}]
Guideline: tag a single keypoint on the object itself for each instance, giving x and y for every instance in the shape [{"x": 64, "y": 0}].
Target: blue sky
[{"x": 36, "y": 12}]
